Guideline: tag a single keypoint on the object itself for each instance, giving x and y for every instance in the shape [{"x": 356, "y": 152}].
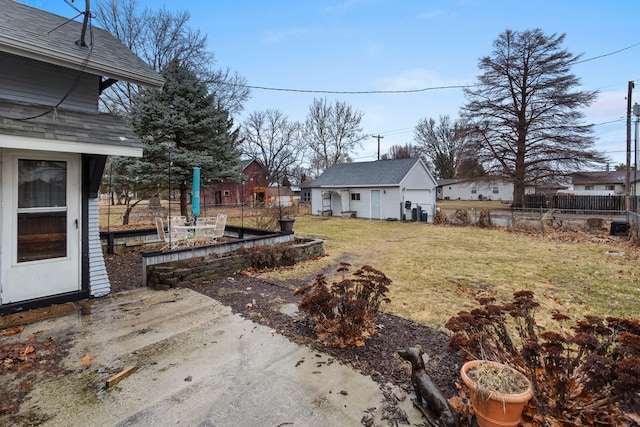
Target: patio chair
[
  {"x": 162, "y": 235},
  {"x": 207, "y": 220},
  {"x": 177, "y": 220},
  {"x": 177, "y": 234},
  {"x": 206, "y": 234},
  {"x": 221, "y": 222}
]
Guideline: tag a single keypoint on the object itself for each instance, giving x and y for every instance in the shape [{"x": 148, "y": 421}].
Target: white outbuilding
[{"x": 384, "y": 189}]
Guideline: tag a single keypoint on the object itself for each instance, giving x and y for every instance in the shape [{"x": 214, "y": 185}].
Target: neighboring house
[
  {"x": 53, "y": 147},
  {"x": 479, "y": 188},
  {"x": 282, "y": 196},
  {"x": 253, "y": 175},
  {"x": 551, "y": 188},
  {"x": 384, "y": 189},
  {"x": 599, "y": 183},
  {"x": 305, "y": 191}
]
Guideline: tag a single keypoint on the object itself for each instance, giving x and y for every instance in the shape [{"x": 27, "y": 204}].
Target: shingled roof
[
  {"x": 600, "y": 177},
  {"x": 33, "y": 33},
  {"x": 103, "y": 131},
  {"x": 364, "y": 174}
]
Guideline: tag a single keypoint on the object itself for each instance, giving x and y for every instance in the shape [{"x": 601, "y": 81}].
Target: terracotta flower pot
[{"x": 494, "y": 409}]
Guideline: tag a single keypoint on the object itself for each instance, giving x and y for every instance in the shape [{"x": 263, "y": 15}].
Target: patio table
[{"x": 194, "y": 233}]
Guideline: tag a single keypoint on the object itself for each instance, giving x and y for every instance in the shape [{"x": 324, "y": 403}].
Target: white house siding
[
  {"x": 604, "y": 189},
  {"x": 98, "y": 280},
  {"x": 464, "y": 190},
  {"x": 29, "y": 81}
]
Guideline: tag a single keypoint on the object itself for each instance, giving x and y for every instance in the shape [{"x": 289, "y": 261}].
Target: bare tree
[
  {"x": 161, "y": 37},
  {"x": 407, "y": 151},
  {"x": 443, "y": 143},
  {"x": 526, "y": 112},
  {"x": 332, "y": 131},
  {"x": 269, "y": 137}
]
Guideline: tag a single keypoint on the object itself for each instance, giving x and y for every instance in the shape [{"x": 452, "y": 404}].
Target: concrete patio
[{"x": 198, "y": 365}]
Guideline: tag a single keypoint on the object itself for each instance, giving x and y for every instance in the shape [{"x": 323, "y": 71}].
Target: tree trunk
[
  {"x": 127, "y": 212},
  {"x": 518, "y": 194},
  {"x": 184, "y": 210}
]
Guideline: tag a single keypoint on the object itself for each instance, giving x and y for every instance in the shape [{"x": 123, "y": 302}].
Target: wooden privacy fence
[{"x": 572, "y": 203}]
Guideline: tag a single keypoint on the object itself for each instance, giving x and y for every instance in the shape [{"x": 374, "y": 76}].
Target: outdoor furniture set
[{"x": 178, "y": 233}]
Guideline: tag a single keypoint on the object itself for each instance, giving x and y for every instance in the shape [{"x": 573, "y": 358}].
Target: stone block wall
[{"x": 183, "y": 273}]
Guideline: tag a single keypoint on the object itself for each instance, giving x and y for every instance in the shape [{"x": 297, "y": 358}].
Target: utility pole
[
  {"x": 378, "y": 137},
  {"x": 627, "y": 180}
]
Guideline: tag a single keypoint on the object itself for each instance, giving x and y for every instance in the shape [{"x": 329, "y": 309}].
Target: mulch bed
[{"x": 260, "y": 301}]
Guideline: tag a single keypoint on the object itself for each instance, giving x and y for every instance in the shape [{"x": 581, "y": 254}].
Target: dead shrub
[
  {"x": 634, "y": 233},
  {"x": 588, "y": 373},
  {"x": 485, "y": 219},
  {"x": 267, "y": 218},
  {"x": 461, "y": 217},
  {"x": 595, "y": 223},
  {"x": 345, "y": 312},
  {"x": 265, "y": 257},
  {"x": 440, "y": 218}
]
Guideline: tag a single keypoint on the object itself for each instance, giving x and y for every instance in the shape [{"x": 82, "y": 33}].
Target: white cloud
[
  {"x": 432, "y": 14},
  {"x": 272, "y": 36},
  {"x": 608, "y": 106}
]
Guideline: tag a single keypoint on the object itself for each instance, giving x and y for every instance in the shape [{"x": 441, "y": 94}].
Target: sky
[{"x": 400, "y": 45}]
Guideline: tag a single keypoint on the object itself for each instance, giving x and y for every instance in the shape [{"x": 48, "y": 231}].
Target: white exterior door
[
  {"x": 375, "y": 204},
  {"x": 40, "y": 225}
]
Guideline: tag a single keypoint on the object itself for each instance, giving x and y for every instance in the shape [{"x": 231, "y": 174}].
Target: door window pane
[
  {"x": 42, "y": 236},
  {"x": 42, "y": 212},
  {"x": 41, "y": 183}
]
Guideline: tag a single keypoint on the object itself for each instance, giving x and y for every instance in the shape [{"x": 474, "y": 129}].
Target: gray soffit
[
  {"x": 378, "y": 173},
  {"x": 33, "y": 33},
  {"x": 66, "y": 125}
]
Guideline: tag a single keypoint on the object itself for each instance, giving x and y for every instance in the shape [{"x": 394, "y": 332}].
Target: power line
[
  {"x": 424, "y": 89},
  {"x": 608, "y": 54},
  {"x": 349, "y": 92}
]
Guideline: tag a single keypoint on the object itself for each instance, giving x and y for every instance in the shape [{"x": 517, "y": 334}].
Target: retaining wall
[{"x": 185, "y": 272}]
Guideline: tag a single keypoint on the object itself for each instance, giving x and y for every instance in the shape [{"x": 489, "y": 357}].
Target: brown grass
[{"x": 437, "y": 269}]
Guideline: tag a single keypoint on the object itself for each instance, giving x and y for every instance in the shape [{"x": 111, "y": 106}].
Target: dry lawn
[{"x": 436, "y": 270}]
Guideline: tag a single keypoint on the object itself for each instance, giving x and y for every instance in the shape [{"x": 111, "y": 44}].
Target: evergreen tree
[{"x": 181, "y": 122}]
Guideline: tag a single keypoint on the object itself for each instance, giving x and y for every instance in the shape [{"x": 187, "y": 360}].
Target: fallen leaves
[
  {"x": 13, "y": 331},
  {"x": 87, "y": 359}
]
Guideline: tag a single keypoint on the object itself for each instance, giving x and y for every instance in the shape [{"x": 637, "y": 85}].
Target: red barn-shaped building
[{"x": 234, "y": 193}]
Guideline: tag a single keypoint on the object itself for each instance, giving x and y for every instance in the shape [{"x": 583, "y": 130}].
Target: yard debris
[
  {"x": 13, "y": 331},
  {"x": 87, "y": 359},
  {"x": 120, "y": 376}
]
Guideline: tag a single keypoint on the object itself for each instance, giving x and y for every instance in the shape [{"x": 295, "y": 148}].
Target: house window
[
  {"x": 42, "y": 210},
  {"x": 610, "y": 187},
  {"x": 496, "y": 190},
  {"x": 355, "y": 196},
  {"x": 474, "y": 190},
  {"x": 226, "y": 193},
  {"x": 588, "y": 187}
]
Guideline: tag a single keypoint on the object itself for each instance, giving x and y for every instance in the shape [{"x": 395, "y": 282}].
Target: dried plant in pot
[{"x": 498, "y": 392}]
